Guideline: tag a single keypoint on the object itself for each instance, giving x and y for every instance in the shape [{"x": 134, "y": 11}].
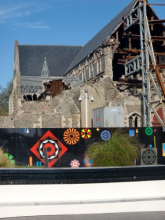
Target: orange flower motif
[{"x": 71, "y": 136}]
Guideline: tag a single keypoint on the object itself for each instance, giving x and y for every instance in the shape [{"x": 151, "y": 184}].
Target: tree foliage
[
  {"x": 120, "y": 150},
  {"x": 4, "y": 99}
]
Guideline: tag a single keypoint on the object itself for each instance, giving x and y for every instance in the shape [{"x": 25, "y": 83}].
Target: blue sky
[{"x": 53, "y": 22}]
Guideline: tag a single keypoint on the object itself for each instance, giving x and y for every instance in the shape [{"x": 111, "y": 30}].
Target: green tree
[
  {"x": 120, "y": 150},
  {"x": 4, "y": 99}
]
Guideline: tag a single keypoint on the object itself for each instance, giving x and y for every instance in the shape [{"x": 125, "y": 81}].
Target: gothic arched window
[{"x": 134, "y": 120}]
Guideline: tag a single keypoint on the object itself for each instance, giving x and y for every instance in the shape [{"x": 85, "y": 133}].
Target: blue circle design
[{"x": 105, "y": 135}]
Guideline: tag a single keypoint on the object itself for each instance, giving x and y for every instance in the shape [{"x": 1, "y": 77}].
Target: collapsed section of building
[{"x": 123, "y": 67}]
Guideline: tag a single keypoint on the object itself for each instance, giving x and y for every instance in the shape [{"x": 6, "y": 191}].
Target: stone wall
[
  {"x": 38, "y": 121},
  {"x": 59, "y": 112},
  {"x": 97, "y": 63},
  {"x": 106, "y": 93},
  {"x": 6, "y": 122},
  {"x": 68, "y": 107},
  {"x": 15, "y": 97},
  {"x": 65, "y": 110}
]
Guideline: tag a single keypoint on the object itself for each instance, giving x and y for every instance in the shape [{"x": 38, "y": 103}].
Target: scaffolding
[{"x": 153, "y": 90}]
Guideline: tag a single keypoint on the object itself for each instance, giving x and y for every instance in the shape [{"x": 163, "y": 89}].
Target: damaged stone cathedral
[{"x": 50, "y": 82}]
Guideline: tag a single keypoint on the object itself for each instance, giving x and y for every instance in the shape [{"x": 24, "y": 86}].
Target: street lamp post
[
  {"x": 86, "y": 97},
  {"x": 86, "y": 108}
]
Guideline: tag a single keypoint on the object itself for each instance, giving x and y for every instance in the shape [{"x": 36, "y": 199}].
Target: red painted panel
[{"x": 156, "y": 122}]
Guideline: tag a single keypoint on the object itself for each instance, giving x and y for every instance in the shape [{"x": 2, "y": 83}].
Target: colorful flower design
[
  {"x": 71, "y": 136},
  {"x": 86, "y": 133},
  {"x": 74, "y": 163},
  {"x": 105, "y": 135},
  {"x": 88, "y": 162},
  {"x": 149, "y": 131}
]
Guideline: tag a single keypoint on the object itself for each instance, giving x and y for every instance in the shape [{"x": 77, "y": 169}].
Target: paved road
[{"x": 118, "y": 216}]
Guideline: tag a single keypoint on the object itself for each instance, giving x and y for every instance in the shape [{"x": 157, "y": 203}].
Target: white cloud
[
  {"x": 11, "y": 13},
  {"x": 33, "y": 25}
]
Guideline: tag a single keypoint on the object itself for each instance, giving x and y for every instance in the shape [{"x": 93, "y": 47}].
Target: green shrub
[
  {"x": 120, "y": 150},
  {"x": 5, "y": 162}
]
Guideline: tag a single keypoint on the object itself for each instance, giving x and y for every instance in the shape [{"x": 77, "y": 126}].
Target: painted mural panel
[{"x": 83, "y": 147}]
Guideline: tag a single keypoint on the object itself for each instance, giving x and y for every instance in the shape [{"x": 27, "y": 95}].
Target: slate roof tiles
[
  {"x": 101, "y": 36},
  {"x": 58, "y": 59}
]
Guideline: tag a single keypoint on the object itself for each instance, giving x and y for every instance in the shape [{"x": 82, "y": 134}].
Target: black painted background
[{"x": 18, "y": 143}]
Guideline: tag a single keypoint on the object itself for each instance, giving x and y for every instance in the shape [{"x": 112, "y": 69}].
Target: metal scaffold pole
[
  {"x": 144, "y": 76},
  {"x": 152, "y": 85}
]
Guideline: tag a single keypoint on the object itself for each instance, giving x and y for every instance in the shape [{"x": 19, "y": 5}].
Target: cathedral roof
[
  {"x": 101, "y": 36},
  {"x": 56, "y": 59}
]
